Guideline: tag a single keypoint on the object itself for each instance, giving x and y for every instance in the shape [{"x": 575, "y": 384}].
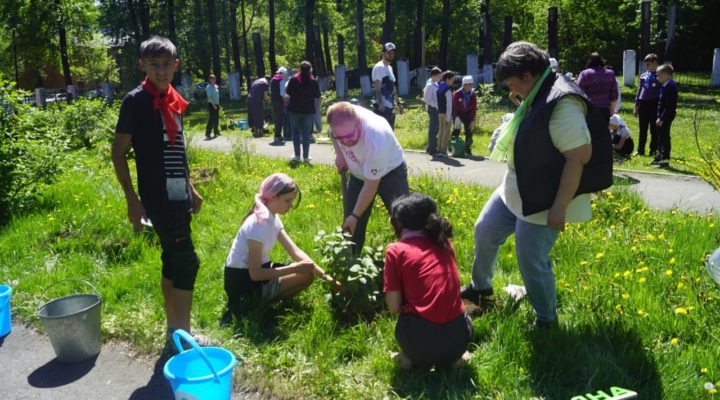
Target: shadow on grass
[
  {"x": 259, "y": 321},
  {"x": 569, "y": 362},
  {"x": 453, "y": 383}
]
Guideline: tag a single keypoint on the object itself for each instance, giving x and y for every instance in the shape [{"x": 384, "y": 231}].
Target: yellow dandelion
[
  {"x": 712, "y": 226},
  {"x": 617, "y": 275},
  {"x": 650, "y": 237},
  {"x": 584, "y": 263},
  {"x": 626, "y": 274},
  {"x": 703, "y": 370},
  {"x": 670, "y": 250},
  {"x": 641, "y": 270},
  {"x": 712, "y": 391},
  {"x": 634, "y": 249},
  {"x": 642, "y": 280},
  {"x": 625, "y": 296},
  {"x": 681, "y": 286},
  {"x": 668, "y": 272},
  {"x": 661, "y": 236},
  {"x": 674, "y": 341},
  {"x": 599, "y": 255},
  {"x": 681, "y": 311},
  {"x": 641, "y": 312},
  {"x": 618, "y": 308},
  {"x": 672, "y": 261}
]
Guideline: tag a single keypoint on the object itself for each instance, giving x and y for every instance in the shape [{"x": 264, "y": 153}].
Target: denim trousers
[
  {"x": 433, "y": 129},
  {"x": 301, "y": 125},
  {"x": 532, "y": 247}
]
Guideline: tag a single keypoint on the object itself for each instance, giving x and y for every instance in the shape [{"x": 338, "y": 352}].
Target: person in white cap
[
  {"x": 465, "y": 108},
  {"x": 277, "y": 91},
  {"x": 384, "y": 84}
]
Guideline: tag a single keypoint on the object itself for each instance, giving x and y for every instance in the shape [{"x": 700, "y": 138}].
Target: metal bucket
[{"x": 73, "y": 325}]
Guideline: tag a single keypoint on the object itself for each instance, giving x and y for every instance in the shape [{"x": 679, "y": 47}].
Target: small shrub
[{"x": 360, "y": 276}]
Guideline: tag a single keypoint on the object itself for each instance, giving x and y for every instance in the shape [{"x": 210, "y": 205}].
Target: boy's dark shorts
[{"x": 180, "y": 264}]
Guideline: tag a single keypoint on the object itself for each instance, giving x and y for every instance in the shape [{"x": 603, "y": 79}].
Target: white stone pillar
[
  {"x": 73, "y": 90},
  {"x": 365, "y": 86},
  {"x": 715, "y": 77},
  {"x": 472, "y": 68},
  {"x": 340, "y": 82},
  {"x": 40, "y": 97},
  {"x": 487, "y": 74},
  {"x": 323, "y": 83},
  {"x": 403, "y": 67},
  {"x": 629, "y": 63},
  {"x": 234, "y": 82},
  {"x": 108, "y": 91},
  {"x": 421, "y": 77}
]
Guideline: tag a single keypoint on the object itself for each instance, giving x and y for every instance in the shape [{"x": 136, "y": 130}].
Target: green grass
[
  {"x": 411, "y": 127},
  {"x": 637, "y": 309}
]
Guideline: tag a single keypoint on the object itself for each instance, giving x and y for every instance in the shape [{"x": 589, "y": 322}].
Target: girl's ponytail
[{"x": 418, "y": 212}]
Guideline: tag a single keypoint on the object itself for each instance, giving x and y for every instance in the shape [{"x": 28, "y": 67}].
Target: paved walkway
[
  {"x": 660, "y": 191},
  {"x": 30, "y": 371}
]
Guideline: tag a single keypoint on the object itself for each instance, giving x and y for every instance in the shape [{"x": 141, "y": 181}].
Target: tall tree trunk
[
  {"x": 271, "y": 36},
  {"x": 144, "y": 15},
  {"x": 388, "y": 24},
  {"x": 444, "y": 31},
  {"x": 326, "y": 42},
  {"x": 214, "y": 45},
  {"x": 137, "y": 34},
  {"x": 172, "y": 34},
  {"x": 62, "y": 36},
  {"x": 225, "y": 35},
  {"x": 362, "y": 59},
  {"x": 319, "y": 58},
  {"x": 309, "y": 40},
  {"x": 245, "y": 44},
  {"x": 487, "y": 34},
  {"x": 234, "y": 38},
  {"x": 418, "y": 33},
  {"x": 257, "y": 48}
]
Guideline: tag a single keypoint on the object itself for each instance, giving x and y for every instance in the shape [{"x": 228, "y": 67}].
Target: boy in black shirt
[
  {"x": 150, "y": 119},
  {"x": 667, "y": 105}
]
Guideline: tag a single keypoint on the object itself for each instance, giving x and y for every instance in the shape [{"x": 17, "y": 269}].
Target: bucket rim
[
  {"x": 5, "y": 290},
  {"x": 93, "y": 305},
  {"x": 196, "y": 379}
]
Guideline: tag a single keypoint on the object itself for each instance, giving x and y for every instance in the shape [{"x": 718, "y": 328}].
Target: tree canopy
[{"x": 103, "y": 36}]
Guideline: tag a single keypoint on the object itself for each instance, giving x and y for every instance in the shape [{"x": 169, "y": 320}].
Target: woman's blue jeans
[
  {"x": 532, "y": 246},
  {"x": 301, "y": 125}
]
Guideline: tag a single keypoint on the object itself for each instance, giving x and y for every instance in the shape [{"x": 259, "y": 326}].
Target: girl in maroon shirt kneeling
[{"x": 422, "y": 285}]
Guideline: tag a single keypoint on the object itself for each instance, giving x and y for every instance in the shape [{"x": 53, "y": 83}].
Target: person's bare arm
[
  {"x": 393, "y": 300},
  {"x": 377, "y": 86},
  {"x": 136, "y": 211},
  {"x": 575, "y": 160},
  {"x": 258, "y": 273},
  {"x": 366, "y": 196}
]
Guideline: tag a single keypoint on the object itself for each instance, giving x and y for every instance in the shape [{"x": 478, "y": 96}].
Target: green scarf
[{"x": 502, "y": 151}]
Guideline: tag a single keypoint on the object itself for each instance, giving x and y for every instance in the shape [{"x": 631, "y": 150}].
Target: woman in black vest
[{"x": 546, "y": 146}]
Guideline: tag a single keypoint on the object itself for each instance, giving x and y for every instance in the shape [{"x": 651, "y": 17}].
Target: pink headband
[{"x": 270, "y": 186}]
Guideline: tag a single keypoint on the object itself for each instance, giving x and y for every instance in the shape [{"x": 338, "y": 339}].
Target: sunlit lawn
[{"x": 637, "y": 309}]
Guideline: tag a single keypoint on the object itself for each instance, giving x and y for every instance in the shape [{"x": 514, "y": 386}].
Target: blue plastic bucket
[
  {"x": 243, "y": 124},
  {"x": 201, "y": 372},
  {"x": 5, "y": 319}
]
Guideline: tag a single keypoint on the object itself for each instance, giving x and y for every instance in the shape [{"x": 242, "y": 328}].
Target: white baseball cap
[{"x": 467, "y": 79}]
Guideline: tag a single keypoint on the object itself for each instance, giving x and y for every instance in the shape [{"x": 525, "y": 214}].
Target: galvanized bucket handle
[
  {"x": 71, "y": 279},
  {"x": 181, "y": 334}
]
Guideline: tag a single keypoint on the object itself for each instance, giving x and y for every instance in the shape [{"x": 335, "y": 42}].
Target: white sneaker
[
  {"x": 294, "y": 159},
  {"x": 307, "y": 160}
]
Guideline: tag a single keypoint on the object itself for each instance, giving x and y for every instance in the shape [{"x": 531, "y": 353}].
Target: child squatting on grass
[
  {"x": 248, "y": 269},
  {"x": 422, "y": 285}
]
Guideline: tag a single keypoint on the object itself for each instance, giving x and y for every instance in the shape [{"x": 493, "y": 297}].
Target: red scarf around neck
[{"x": 168, "y": 103}]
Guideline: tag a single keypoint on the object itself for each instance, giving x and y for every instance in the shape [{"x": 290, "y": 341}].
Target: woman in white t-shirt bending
[
  {"x": 366, "y": 146},
  {"x": 248, "y": 269}
]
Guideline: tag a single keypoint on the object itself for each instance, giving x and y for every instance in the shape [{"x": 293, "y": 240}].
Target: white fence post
[
  {"x": 234, "y": 81},
  {"x": 340, "y": 82},
  {"x": 629, "y": 68},
  {"x": 472, "y": 68},
  {"x": 715, "y": 77},
  {"x": 403, "y": 76}
]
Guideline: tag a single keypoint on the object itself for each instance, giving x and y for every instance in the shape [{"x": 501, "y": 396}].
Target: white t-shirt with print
[
  {"x": 379, "y": 72},
  {"x": 265, "y": 232},
  {"x": 377, "y": 152}
]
